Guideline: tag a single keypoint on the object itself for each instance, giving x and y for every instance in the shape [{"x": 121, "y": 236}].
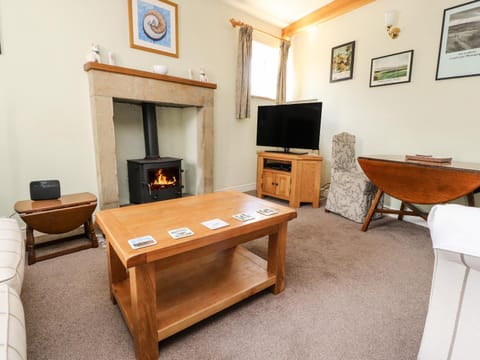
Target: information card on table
[
  {"x": 180, "y": 232},
  {"x": 215, "y": 224},
  {"x": 141, "y": 242},
  {"x": 267, "y": 211},
  {"x": 243, "y": 217}
]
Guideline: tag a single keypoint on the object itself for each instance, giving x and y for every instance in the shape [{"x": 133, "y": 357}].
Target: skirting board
[{"x": 241, "y": 188}]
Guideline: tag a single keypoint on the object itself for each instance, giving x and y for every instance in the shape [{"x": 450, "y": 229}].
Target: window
[{"x": 264, "y": 71}]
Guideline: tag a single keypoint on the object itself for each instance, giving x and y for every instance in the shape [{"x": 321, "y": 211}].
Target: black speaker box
[{"x": 44, "y": 189}]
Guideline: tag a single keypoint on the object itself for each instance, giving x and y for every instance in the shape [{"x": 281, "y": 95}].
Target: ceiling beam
[{"x": 325, "y": 13}]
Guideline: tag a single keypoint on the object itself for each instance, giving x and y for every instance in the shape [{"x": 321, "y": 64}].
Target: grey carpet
[{"x": 349, "y": 295}]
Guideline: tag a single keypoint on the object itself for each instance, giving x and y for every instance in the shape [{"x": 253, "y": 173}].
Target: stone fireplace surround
[{"x": 114, "y": 83}]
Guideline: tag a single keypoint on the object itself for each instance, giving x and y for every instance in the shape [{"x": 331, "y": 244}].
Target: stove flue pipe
[{"x": 150, "y": 131}]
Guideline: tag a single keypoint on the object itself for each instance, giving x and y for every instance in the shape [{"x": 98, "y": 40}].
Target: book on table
[{"x": 429, "y": 158}]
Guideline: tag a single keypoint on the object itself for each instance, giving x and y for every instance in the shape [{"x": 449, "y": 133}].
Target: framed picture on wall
[
  {"x": 459, "y": 51},
  {"x": 154, "y": 26},
  {"x": 341, "y": 63},
  {"x": 391, "y": 69}
]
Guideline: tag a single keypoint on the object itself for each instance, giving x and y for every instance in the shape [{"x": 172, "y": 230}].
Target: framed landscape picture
[
  {"x": 341, "y": 63},
  {"x": 459, "y": 51},
  {"x": 391, "y": 69},
  {"x": 154, "y": 26}
]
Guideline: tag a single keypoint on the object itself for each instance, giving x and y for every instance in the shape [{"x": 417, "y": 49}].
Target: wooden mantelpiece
[
  {"x": 114, "y": 83},
  {"x": 145, "y": 74}
]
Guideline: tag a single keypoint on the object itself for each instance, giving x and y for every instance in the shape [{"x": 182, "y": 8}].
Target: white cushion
[
  {"x": 13, "y": 341},
  {"x": 455, "y": 228},
  {"x": 12, "y": 254}
]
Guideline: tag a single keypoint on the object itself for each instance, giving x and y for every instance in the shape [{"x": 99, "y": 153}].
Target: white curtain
[
  {"x": 282, "y": 72},
  {"x": 244, "y": 60}
]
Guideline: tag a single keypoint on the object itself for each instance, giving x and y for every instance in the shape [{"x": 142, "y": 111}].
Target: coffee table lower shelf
[{"x": 194, "y": 290}]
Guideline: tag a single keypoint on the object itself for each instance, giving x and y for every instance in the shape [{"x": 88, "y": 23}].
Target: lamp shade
[{"x": 389, "y": 18}]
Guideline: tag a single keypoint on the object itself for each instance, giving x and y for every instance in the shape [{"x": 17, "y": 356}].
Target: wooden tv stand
[{"x": 291, "y": 177}]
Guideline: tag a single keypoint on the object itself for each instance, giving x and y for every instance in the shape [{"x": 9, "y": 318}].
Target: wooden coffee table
[{"x": 165, "y": 288}]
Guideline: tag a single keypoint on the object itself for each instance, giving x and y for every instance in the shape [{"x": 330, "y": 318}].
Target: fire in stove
[{"x": 162, "y": 178}]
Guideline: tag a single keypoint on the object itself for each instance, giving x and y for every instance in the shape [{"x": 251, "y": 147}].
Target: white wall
[
  {"x": 45, "y": 123},
  {"x": 424, "y": 116}
]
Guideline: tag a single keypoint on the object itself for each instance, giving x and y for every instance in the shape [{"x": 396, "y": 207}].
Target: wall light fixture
[{"x": 392, "y": 31}]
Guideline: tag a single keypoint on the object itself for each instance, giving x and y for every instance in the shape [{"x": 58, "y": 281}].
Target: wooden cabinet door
[
  {"x": 268, "y": 182},
  {"x": 283, "y": 184},
  {"x": 276, "y": 184}
]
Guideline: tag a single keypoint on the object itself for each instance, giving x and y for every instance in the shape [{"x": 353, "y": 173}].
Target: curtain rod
[{"x": 236, "y": 23}]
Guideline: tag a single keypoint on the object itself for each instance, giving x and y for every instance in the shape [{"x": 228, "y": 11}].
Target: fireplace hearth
[{"x": 153, "y": 178}]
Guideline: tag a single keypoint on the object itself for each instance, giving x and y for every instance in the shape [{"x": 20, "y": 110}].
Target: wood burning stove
[{"x": 153, "y": 178}]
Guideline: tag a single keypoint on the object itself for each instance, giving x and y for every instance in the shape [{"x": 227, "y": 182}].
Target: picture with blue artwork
[{"x": 154, "y": 26}]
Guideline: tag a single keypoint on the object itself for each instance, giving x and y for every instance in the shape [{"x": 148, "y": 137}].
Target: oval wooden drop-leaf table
[{"x": 418, "y": 182}]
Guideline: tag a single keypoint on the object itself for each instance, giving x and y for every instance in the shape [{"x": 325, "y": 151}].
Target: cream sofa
[
  {"x": 452, "y": 327},
  {"x": 13, "y": 344}
]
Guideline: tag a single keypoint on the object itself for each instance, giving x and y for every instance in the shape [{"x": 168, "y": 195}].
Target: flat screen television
[{"x": 289, "y": 126}]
